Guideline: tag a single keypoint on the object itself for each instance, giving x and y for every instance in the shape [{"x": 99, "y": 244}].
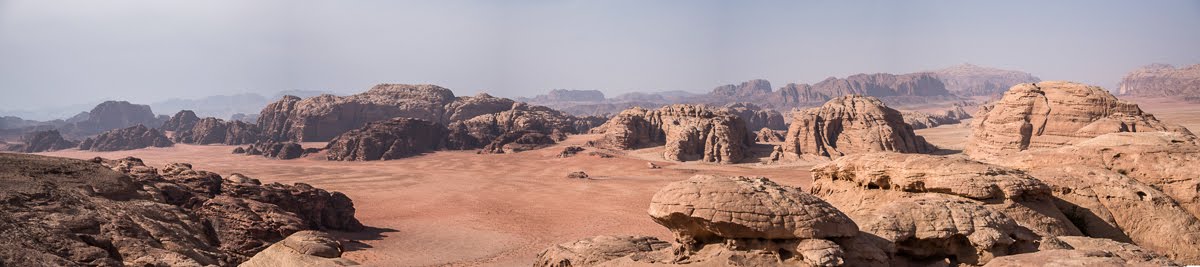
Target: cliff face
[
  {"x": 323, "y": 117},
  {"x": 1162, "y": 80},
  {"x": 972, "y": 80},
  {"x": 849, "y": 125},
  {"x": 689, "y": 132},
  {"x": 111, "y": 115}
]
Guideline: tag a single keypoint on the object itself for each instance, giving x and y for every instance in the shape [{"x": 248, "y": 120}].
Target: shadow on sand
[{"x": 352, "y": 241}]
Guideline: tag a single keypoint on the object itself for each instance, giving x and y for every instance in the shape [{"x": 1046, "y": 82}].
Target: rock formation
[
  {"x": 577, "y": 175},
  {"x": 1052, "y": 114},
  {"x": 689, "y": 133},
  {"x": 756, "y": 117},
  {"x": 851, "y": 124},
  {"x": 972, "y": 80},
  {"x": 183, "y": 120},
  {"x": 67, "y": 212},
  {"x": 216, "y": 131},
  {"x": 521, "y": 127},
  {"x": 596, "y": 250},
  {"x": 42, "y": 141},
  {"x": 388, "y": 139},
  {"x": 324, "y": 117},
  {"x": 111, "y": 115},
  {"x": 752, "y": 89},
  {"x": 769, "y": 136},
  {"x": 1162, "y": 80},
  {"x": 135, "y": 137},
  {"x": 922, "y": 120},
  {"x": 303, "y": 248},
  {"x": 1085, "y": 251},
  {"x": 277, "y": 150}
]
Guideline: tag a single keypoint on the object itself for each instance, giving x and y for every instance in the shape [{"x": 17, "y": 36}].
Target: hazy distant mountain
[
  {"x": 972, "y": 80},
  {"x": 51, "y": 112},
  {"x": 220, "y": 106},
  {"x": 564, "y": 95},
  {"x": 1163, "y": 80},
  {"x": 298, "y": 93}
]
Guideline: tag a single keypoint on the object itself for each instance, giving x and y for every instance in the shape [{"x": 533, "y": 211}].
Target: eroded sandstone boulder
[
  {"x": 303, "y": 248},
  {"x": 135, "y": 137},
  {"x": 1086, "y": 251},
  {"x": 689, "y": 132},
  {"x": 1053, "y": 114},
  {"x": 388, "y": 139},
  {"x": 851, "y": 124}
]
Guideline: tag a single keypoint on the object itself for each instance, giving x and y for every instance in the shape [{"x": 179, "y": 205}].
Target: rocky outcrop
[
  {"x": 216, "y": 131},
  {"x": 111, "y": 115},
  {"x": 851, "y": 124},
  {"x": 324, "y": 117},
  {"x": 1162, "y": 80},
  {"x": 689, "y": 133},
  {"x": 752, "y": 89},
  {"x": 769, "y": 136},
  {"x": 68, "y": 212},
  {"x": 277, "y": 150},
  {"x": 303, "y": 248},
  {"x": 1085, "y": 251},
  {"x": 521, "y": 127},
  {"x": 756, "y": 117},
  {"x": 389, "y": 139},
  {"x": 972, "y": 80},
  {"x": 136, "y": 137},
  {"x": 922, "y": 120},
  {"x": 183, "y": 120},
  {"x": 596, "y": 250},
  {"x": 1053, "y": 114},
  {"x": 467, "y": 107},
  {"x": 42, "y": 141}
]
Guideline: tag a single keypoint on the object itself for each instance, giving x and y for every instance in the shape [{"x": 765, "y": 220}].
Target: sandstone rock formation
[
  {"x": 1086, "y": 251},
  {"x": 973, "y": 80},
  {"x": 303, "y": 248},
  {"x": 324, "y": 117},
  {"x": 1052, "y": 114},
  {"x": 521, "y": 127},
  {"x": 42, "y": 141},
  {"x": 388, "y": 139},
  {"x": 752, "y": 89},
  {"x": 278, "y": 150},
  {"x": 135, "y": 137},
  {"x": 216, "y": 131},
  {"x": 766, "y": 135},
  {"x": 689, "y": 133},
  {"x": 111, "y": 115},
  {"x": 596, "y": 250},
  {"x": 851, "y": 124},
  {"x": 922, "y": 120},
  {"x": 1162, "y": 80},
  {"x": 69, "y": 212},
  {"x": 183, "y": 120},
  {"x": 756, "y": 117}
]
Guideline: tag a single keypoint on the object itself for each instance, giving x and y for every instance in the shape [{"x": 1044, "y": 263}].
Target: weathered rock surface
[
  {"x": 183, "y": 120},
  {"x": 110, "y": 115},
  {"x": 596, "y": 250},
  {"x": 67, "y": 212},
  {"x": 388, "y": 139},
  {"x": 324, "y": 117},
  {"x": 922, "y": 120},
  {"x": 973, "y": 80},
  {"x": 42, "y": 141},
  {"x": 216, "y": 131},
  {"x": 577, "y": 175},
  {"x": 851, "y": 124},
  {"x": 1053, "y": 114},
  {"x": 944, "y": 227},
  {"x": 278, "y": 150},
  {"x": 303, "y": 248},
  {"x": 1086, "y": 251},
  {"x": 689, "y": 132},
  {"x": 135, "y": 137},
  {"x": 766, "y": 135},
  {"x": 757, "y": 117},
  {"x": 521, "y": 127},
  {"x": 1162, "y": 80}
]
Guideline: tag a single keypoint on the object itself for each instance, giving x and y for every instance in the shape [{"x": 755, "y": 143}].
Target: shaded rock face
[
  {"x": 183, "y": 120},
  {"x": 522, "y": 127},
  {"x": 972, "y": 80},
  {"x": 389, "y": 139},
  {"x": 756, "y": 117},
  {"x": 135, "y": 137},
  {"x": 216, "y": 131},
  {"x": 595, "y": 250},
  {"x": 689, "y": 132},
  {"x": 303, "y": 248},
  {"x": 1052, "y": 114},
  {"x": 769, "y": 136},
  {"x": 848, "y": 125},
  {"x": 42, "y": 141},
  {"x": 66, "y": 212},
  {"x": 1162, "y": 80},
  {"x": 324, "y": 117}
]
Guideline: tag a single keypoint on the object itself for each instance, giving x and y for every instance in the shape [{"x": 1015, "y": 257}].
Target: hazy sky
[{"x": 64, "y": 52}]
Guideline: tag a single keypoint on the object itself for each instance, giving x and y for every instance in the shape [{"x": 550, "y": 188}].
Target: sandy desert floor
[{"x": 462, "y": 208}]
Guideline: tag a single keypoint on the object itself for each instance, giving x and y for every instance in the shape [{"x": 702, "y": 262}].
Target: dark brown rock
[
  {"x": 216, "y": 131},
  {"x": 522, "y": 127},
  {"x": 135, "y": 137},
  {"x": 578, "y": 175},
  {"x": 324, "y": 117},
  {"x": 388, "y": 139},
  {"x": 42, "y": 141},
  {"x": 183, "y": 120}
]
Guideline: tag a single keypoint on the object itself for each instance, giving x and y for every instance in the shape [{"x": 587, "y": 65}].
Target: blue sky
[{"x": 56, "y": 52}]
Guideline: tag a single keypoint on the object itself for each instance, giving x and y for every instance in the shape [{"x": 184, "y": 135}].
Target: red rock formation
[
  {"x": 851, "y": 124},
  {"x": 689, "y": 133}
]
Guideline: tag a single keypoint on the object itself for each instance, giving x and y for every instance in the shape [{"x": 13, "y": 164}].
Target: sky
[{"x": 57, "y": 52}]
